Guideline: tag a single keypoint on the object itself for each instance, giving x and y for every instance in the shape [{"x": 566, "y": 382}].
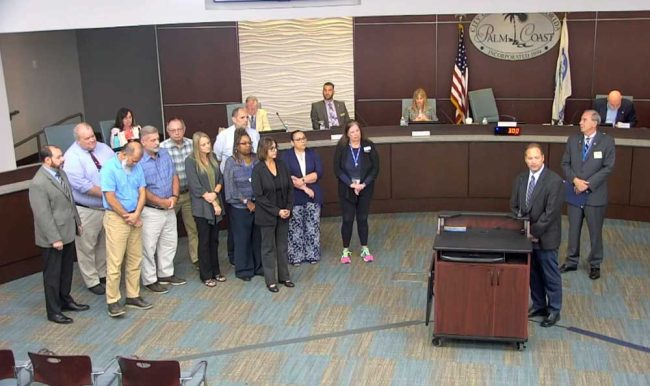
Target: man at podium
[{"x": 538, "y": 194}]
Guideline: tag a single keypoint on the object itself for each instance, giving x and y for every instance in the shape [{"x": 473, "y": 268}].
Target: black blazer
[
  {"x": 264, "y": 190},
  {"x": 625, "y": 113},
  {"x": 369, "y": 169},
  {"x": 545, "y": 211}
]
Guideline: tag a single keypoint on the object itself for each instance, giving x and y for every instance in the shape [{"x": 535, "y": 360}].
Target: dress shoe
[
  {"x": 273, "y": 288},
  {"x": 138, "y": 302},
  {"x": 98, "y": 289},
  {"x": 74, "y": 306},
  {"x": 567, "y": 268},
  {"x": 115, "y": 309},
  {"x": 287, "y": 283},
  {"x": 594, "y": 273},
  {"x": 59, "y": 318},
  {"x": 551, "y": 319},
  {"x": 537, "y": 312},
  {"x": 245, "y": 278}
]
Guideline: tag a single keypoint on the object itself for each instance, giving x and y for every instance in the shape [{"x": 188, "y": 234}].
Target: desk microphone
[
  {"x": 448, "y": 117},
  {"x": 281, "y": 121}
]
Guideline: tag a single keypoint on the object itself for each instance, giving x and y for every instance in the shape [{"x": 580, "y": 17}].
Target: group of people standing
[{"x": 124, "y": 203}]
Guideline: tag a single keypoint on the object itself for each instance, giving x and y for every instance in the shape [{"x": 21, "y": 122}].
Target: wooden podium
[{"x": 481, "y": 266}]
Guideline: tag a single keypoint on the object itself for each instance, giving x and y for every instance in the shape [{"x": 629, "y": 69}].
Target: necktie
[
  {"x": 585, "y": 149},
  {"x": 95, "y": 160},
  {"x": 331, "y": 114},
  {"x": 529, "y": 192},
  {"x": 253, "y": 123}
]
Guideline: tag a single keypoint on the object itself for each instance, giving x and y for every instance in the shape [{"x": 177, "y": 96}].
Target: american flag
[{"x": 460, "y": 79}]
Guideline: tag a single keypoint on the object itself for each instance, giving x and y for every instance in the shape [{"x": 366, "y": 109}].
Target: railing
[{"x": 38, "y": 134}]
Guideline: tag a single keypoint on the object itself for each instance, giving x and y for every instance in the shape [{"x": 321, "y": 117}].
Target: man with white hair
[
  {"x": 258, "y": 118},
  {"x": 84, "y": 159}
]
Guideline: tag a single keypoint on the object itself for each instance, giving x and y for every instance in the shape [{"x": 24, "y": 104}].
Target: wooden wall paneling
[
  {"x": 199, "y": 65},
  {"x": 581, "y": 55},
  {"x": 392, "y": 60},
  {"x": 429, "y": 170},
  {"x": 640, "y": 185},
  {"x": 206, "y": 118},
  {"x": 20, "y": 255},
  {"x": 378, "y": 113},
  {"x": 618, "y": 183},
  {"x": 493, "y": 167}
]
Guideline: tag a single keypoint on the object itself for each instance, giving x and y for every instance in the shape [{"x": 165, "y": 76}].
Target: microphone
[
  {"x": 281, "y": 121},
  {"x": 447, "y": 116}
]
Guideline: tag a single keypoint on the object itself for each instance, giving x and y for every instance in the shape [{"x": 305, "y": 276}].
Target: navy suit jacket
[
  {"x": 313, "y": 164},
  {"x": 625, "y": 113},
  {"x": 545, "y": 207},
  {"x": 595, "y": 169}
]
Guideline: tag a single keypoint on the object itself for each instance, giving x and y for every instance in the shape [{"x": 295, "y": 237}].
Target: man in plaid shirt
[{"x": 179, "y": 148}]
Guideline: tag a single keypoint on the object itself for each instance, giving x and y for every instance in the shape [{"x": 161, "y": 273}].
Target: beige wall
[
  {"x": 42, "y": 78},
  {"x": 285, "y": 63}
]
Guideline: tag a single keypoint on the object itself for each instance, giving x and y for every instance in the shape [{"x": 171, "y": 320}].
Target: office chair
[
  {"x": 141, "y": 372},
  {"x": 60, "y": 135}
]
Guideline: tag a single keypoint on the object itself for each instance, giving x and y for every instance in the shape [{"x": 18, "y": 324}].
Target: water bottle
[
  {"x": 484, "y": 121},
  {"x": 116, "y": 141},
  {"x": 402, "y": 122}
]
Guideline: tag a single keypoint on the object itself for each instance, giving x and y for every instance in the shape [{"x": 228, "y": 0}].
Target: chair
[
  {"x": 604, "y": 96},
  {"x": 60, "y": 135},
  {"x": 64, "y": 370},
  {"x": 229, "y": 109},
  {"x": 140, "y": 372},
  {"x": 9, "y": 369},
  {"x": 406, "y": 103},
  {"x": 105, "y": 127},
  {"x": 483, "y": 105}
]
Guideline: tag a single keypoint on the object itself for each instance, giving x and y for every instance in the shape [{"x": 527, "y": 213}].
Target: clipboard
[{"x": 574, "y": 199}]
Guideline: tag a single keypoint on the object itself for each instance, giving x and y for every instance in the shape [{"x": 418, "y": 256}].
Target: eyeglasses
[
  {"x": 245, "y": 143},
  {"x": 301, "y": 139},
  {"x": 175, "y": 130},
  {"x": 273, "y": 148}
]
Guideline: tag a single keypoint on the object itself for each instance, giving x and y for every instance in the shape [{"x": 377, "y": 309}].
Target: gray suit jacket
[
  {"x": 595, "y": 169},
  {"x": 199, "y": 184},
  {"x": 319, "y": 113},
  {"x": 55, "y": 214},
  {"x": 544, "y": 209}
]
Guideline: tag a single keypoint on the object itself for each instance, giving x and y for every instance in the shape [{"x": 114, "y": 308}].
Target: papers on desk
[
  {"x": 335, "y": 137},
  {"x": 455, "y": 229}
]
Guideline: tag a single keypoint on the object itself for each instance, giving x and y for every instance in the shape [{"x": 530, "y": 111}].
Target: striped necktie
[
  {"x": 585, "y": 149},
  {"x": 529, "y": 192}
]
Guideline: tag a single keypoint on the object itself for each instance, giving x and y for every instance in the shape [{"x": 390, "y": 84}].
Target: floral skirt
[{"x": 304, "y": 234}]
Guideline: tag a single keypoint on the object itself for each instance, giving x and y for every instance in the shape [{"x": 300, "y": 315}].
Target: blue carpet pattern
[{"x": 357, "y": 324}]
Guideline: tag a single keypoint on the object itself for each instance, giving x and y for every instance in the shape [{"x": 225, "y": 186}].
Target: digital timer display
[{"x": 507, "y": 131}]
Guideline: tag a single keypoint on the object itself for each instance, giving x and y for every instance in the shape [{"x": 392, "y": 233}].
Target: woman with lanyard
[
  {"x": 239, "y": 194},
  {"x": 304, "y": 228},
  {"x": 356, "y": 166},
  {"x": 205, "y": 182},
  {"x": 124, "y": 129}
]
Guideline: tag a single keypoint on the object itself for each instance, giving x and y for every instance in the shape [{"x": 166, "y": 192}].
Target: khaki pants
[
  {"x": 122, "y": 239},
  {"x": 185, "y": 206},
  {"x": 91, "y": 246},
  {"x": 159, "y": 239}
]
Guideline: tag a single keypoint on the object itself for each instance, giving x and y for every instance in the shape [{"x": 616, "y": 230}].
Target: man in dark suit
[
  {"x": 587, "y": 162},
  {"x": 615, "y": 109},
  {"x": 56, "y": 222},
  {"x": 537, "y": 193},
  {"x": 328, "y": 112}
]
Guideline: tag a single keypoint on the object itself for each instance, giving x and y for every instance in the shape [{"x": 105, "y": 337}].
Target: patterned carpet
[{"x": 358, "y": 324}]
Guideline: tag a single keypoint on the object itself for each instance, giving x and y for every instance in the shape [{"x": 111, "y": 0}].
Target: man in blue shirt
[
  {"x": 123, "y": 185},
  {"x": 159, "y": 234},
  {"x": 83, "y": 161}
]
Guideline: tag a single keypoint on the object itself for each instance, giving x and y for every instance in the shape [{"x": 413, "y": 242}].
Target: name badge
[
  {"x": 598, "y": 155},
  {"x": 366, "y": 149}
]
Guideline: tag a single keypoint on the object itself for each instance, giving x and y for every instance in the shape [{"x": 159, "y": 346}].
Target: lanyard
[{"x": 355, "y": 157}]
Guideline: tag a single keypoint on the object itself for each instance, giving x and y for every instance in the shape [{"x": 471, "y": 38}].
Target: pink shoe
[
  {"x": 345, "y": 257},
  {"x": 367, "y": 257}
]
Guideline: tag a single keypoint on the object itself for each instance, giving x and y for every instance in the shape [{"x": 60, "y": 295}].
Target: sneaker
[
  {"x": 173, "y": 280},
  {"x": 115, "y": 309},
  {"x": 345, "y": 256},
  {"x": 366, "y": 256},
  {"x": 138, "y": 303},
  {"x": 157, "y": 287}
]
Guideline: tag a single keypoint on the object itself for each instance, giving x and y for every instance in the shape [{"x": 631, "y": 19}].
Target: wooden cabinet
[{"x": 481, "y": 267}]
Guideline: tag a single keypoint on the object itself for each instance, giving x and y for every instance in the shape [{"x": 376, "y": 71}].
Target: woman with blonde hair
[
  {"x": 205, "y": 182},
  {"x": 420, "y": 110}
]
